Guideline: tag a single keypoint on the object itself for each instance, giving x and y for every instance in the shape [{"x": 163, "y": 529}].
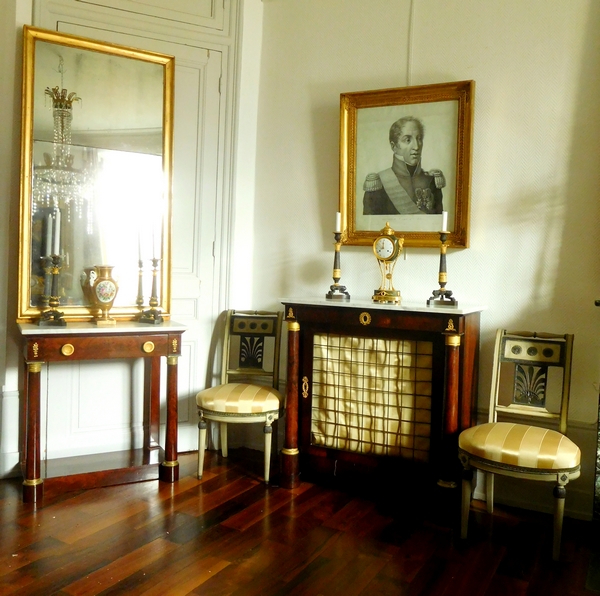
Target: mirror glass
[{"x": 96, "y": 174}]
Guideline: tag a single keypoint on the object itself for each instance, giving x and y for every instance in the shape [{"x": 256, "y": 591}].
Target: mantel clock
[{"x": 387, "y": 248}]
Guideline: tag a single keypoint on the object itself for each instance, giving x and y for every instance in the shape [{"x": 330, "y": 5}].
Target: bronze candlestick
[
  {"x": 51, "y": 317},
  {"x": 153, "y": 315},
  {"x": 140, "y": 294},
  {"x": 442, "y": 295},
  {"x": 337, "y": 291}
]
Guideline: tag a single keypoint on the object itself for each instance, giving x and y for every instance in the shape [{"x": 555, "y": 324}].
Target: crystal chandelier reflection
[{"x": 57, "y": 184}]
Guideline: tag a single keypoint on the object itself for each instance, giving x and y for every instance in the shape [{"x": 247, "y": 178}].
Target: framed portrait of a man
[{"x": 405, "y": 160}]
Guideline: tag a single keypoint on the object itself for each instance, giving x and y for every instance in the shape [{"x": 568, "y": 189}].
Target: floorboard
[{"x": 229, "y": 534}]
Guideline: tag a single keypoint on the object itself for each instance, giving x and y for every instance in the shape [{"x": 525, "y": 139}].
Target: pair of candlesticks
[
  {"x": 439, "y": 296},
  {"x": 50, "y": 302}
]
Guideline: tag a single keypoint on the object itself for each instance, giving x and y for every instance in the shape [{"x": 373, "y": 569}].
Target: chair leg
[
  {"x": 201, "y": 445},
  {"x": 268, "y": 430},
  {"x": 467, "y": 486},
  {"x": 489, "y": 492},
  {"x": 223, "y": 433},
  {"x": 560, "y": 493}
]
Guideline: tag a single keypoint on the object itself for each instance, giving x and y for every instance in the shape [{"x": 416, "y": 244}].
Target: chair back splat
[
  {"x": 530, "y": 441},
  {"x": 248, "y": 391},
  {"x": 251, "y": 347}
]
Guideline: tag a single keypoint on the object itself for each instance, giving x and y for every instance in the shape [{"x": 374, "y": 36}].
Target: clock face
[{"x": 384, "y": 248}]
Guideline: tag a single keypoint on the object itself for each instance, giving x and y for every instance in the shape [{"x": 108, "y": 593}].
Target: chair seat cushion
[
  {"x": 520, "y": 445},
  {"x": 239, "y": 398}
]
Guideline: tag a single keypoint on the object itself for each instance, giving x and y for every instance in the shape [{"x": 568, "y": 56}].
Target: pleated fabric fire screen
[{"x": 372, "y": 395}]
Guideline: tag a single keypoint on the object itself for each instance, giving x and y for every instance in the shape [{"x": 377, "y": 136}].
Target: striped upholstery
[
  {"x": 239, "y": 398},
  {"x": 520, "y": 445},
  {"x": 537, "y": 365}
]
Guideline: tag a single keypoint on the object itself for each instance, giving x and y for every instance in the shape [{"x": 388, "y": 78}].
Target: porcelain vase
[{"x": 100, "y": 288}]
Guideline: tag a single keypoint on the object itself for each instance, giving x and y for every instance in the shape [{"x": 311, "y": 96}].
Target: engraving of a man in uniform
[{"x": 404, "y": 188}]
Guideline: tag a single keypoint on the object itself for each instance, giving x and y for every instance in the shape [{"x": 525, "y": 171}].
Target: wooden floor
[{"x": 229, "y": 534}]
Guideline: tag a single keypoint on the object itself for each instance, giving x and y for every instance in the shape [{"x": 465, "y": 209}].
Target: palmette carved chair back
[
  {"x": 248, "y": 391},
  {"x": 539, "y": 363}
]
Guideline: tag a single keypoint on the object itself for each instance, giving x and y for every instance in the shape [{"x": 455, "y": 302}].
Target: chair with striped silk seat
[
  {"x": 249, "y": 379},
  {"x": 539, "y": 363}
]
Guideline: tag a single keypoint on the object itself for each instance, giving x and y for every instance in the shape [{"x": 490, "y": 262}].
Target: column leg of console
[
  {"x": 33, "y": 485},
  {"x": 449, "y": 464},
  {"x": 290, "y": 455},
  {"x": 169, "y": 469}
]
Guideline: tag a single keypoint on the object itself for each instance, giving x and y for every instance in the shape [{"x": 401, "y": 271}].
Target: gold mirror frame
[{"x": 28, "y": 310}]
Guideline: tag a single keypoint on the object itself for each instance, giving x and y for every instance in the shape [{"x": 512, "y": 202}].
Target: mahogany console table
[
  {"x": 86, "y": 341},
  {"x": 371, "y": 383}
]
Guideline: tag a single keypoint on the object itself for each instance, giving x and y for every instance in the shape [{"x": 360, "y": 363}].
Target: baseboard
[
  {"x": 9, "y": 434},
  {"x": 9, "y": 465}
]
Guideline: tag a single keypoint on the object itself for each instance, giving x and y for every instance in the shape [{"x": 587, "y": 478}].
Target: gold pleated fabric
[
  {"x": 520, "y": 445},
  {"x": 239, "y": 398},
  {"x": 372, "y": 395}
]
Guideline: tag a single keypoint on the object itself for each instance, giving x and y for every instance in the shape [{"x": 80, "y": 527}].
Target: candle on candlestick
[
  {"x": 444, "y": 221},
  {"x": 57, "y": 233},
  {"x": 139, "y": 246},
  {"x": 48, "y": 247},
  {"x": 338, "y": 222}
]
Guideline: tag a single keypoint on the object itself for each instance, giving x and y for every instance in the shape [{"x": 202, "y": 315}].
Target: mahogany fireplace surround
[{"x": 440, "y": 394}]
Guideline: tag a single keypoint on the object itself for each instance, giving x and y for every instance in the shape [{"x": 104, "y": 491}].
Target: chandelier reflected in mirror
[{"x": 57, "y": 184}]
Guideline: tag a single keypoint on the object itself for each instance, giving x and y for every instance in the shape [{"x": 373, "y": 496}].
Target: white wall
[
  {"x": 245, "y": 155},
  {"x": 535, "y": 210}
]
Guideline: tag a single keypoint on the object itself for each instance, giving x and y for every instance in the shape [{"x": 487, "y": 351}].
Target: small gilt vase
[{"x": 103, "y": 291}]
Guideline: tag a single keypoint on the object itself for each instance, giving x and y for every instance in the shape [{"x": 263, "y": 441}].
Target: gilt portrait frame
[{"x": 444, "y": 114}]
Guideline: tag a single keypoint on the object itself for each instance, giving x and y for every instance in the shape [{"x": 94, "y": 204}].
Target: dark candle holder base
[
  {"x": 52, "y": 318},
  {"x": 337, "y": 292},
  {"x": 152, "y": 316},
  {"x": 442, "y": 298}
]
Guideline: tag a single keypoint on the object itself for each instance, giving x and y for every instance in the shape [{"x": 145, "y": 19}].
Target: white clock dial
[{"x": 384, "y": 248}]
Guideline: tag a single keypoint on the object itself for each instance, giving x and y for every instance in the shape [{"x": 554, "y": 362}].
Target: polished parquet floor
[{"x": 229, "y": 534}]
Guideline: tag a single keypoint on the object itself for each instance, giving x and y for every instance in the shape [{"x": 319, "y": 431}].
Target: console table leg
[
  {"x": 290, "y": 455},
  {"x": 449, "y": 463},
  {"x": 33, "y": 485},
  {"x": 169, "y": 469}
]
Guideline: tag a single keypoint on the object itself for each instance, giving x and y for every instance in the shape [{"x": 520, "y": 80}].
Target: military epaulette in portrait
[
  {"x": 438, "y": 175},
  {"x": 372, "y": 183}
]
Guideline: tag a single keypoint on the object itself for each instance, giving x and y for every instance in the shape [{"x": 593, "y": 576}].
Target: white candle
[
  {"x": 48, "y": 247},
  {"x": 57, "y": 233},
  {"x": 139, "y": 246},
  {"x": 444, "y": 221},
  {"x": 338, "y": 222}
]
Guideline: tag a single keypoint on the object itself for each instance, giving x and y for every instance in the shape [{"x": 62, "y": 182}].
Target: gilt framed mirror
[{"x": 96, "y": 173}]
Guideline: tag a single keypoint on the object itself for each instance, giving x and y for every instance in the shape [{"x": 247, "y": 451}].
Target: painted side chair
[
  {"x": 539, "y": 363},
  {"x": 249, "y": 379}
]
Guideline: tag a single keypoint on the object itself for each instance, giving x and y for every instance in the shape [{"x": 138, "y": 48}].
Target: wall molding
[{"x": 9, "y": 434}]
